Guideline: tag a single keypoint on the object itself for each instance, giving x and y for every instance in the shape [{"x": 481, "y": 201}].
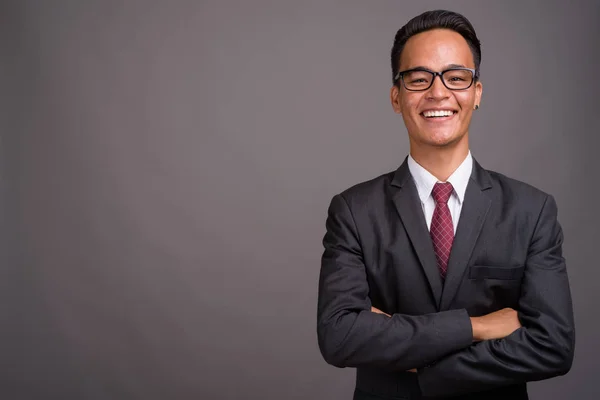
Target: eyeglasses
[{"x": 420, "y": 79}]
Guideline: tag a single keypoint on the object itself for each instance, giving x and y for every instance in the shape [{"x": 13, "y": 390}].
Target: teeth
[{"x": 438, "y": 113}]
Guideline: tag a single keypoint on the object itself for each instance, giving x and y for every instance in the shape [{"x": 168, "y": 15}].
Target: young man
[{"x": 441, "y": 278}]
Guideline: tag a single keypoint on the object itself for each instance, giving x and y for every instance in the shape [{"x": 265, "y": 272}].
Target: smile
[{"x": 441, "y": 114}]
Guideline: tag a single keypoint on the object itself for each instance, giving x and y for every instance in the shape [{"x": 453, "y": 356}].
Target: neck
[{"x": 441, "y": 162}]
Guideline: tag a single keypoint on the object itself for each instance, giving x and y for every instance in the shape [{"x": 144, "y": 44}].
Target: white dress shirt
[{"x": 425, "y": 182}]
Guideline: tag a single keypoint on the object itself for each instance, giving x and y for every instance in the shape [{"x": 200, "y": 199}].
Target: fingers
[{"x": 378, "y": 311}]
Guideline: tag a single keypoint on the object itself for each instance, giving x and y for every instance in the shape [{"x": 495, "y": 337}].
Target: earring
[{"x": 476, "y": 107}]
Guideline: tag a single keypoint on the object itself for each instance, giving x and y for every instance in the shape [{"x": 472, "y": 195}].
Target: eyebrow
[{"x": 445, "y": 67}]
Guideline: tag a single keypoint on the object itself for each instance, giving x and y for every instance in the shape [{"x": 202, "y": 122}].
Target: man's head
[{"x": 436, "y": 108}]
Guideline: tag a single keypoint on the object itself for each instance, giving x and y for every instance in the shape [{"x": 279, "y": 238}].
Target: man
[{"x": 443, "y": 279}]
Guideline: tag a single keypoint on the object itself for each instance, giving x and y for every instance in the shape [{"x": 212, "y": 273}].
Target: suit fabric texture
[{"x": 507, "y": 252}]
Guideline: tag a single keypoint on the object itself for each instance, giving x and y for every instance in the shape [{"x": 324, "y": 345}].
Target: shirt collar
[{"x": 425, "y": 181}]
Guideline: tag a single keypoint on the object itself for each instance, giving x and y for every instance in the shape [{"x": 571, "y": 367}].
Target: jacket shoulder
[
  {"x": 518, "y": 190},
  {"x": 367, "y": 189}
]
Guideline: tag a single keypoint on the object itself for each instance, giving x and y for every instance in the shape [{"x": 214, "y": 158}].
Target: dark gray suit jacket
[{"x": 507, "y": 252}]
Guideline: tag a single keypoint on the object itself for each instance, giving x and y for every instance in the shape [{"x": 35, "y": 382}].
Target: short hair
[{"x": 436, "y": 19}]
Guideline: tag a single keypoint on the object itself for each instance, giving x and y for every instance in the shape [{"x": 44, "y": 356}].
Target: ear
[
  {"x": 478, "y": 93},
  {"x": 395, "y": 99}
]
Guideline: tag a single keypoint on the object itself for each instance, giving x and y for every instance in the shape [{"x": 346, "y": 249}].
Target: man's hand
[
  {"x": 496, "y": 325},
  {"x": 378, "y": 311}
]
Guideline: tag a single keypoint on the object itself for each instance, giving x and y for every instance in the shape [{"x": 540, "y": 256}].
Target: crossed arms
[{"x": 452, "y": 352}]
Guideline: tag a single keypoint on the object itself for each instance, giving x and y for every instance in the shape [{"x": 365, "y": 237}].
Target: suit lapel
[
  {"x": 408, "y": 204},
  {"x": 474, "y": 210}
]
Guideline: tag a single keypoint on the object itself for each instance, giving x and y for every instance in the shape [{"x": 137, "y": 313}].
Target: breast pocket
[{"x": 495, "y": 272}]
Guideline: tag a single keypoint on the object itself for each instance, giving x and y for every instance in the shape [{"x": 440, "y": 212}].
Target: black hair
[{"x": 437, "y": 19}]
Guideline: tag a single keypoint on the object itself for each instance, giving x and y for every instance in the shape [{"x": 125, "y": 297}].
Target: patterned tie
[{"x": 442, "y": 230}]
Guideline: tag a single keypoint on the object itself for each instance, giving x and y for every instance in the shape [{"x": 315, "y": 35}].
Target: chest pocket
[{"x": 495, "y": 272}]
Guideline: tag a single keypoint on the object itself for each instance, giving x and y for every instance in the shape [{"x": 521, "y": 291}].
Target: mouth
[{"x": 438, "y": 115}]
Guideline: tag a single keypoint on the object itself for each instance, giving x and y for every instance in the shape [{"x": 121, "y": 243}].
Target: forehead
[{"x": 436, "y": 49}]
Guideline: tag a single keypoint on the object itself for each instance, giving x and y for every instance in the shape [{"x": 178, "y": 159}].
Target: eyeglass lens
[{"x": 456, "y": 79}]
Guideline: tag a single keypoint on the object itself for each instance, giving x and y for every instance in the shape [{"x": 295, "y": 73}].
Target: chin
[
  {"x": 442, "y": 140},
  {"x": 442, "y": 144},
  {"x": 437, "y": 136}
]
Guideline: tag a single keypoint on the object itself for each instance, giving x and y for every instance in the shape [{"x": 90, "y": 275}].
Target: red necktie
[{"x": 442, "y": 230}]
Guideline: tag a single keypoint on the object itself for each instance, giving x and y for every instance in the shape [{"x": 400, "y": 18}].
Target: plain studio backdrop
[{"x": 167, "y": 166}]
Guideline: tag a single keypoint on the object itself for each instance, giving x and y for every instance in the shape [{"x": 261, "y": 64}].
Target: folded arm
[
  {"x": 542, "y": 348},
  {"x": 350, "y": 334}
]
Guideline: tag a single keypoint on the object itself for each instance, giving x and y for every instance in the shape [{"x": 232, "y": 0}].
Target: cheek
[
  {"x": 465, "y": 100},
  {"x": 410, "y": 105}
]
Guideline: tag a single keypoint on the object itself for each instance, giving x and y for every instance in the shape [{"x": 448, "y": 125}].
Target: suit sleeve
[
  {"x": 542, "y": 348},
  {"x": 349, "y": 334}
]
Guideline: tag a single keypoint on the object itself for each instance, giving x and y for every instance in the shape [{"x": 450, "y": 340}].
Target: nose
[{"x": 438, "y": 90}]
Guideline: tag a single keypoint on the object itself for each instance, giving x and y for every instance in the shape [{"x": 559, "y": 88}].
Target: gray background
[{"x": 166, "y": 169}]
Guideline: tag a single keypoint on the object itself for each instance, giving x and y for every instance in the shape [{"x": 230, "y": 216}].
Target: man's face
[{"x": 436, "y": 50}]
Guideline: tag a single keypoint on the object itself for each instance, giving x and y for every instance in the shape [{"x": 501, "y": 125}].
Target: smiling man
[{"x": 443, "y": 279}]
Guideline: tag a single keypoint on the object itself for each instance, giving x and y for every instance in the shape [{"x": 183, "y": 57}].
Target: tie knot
[{"x": 441, "y": 192}]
